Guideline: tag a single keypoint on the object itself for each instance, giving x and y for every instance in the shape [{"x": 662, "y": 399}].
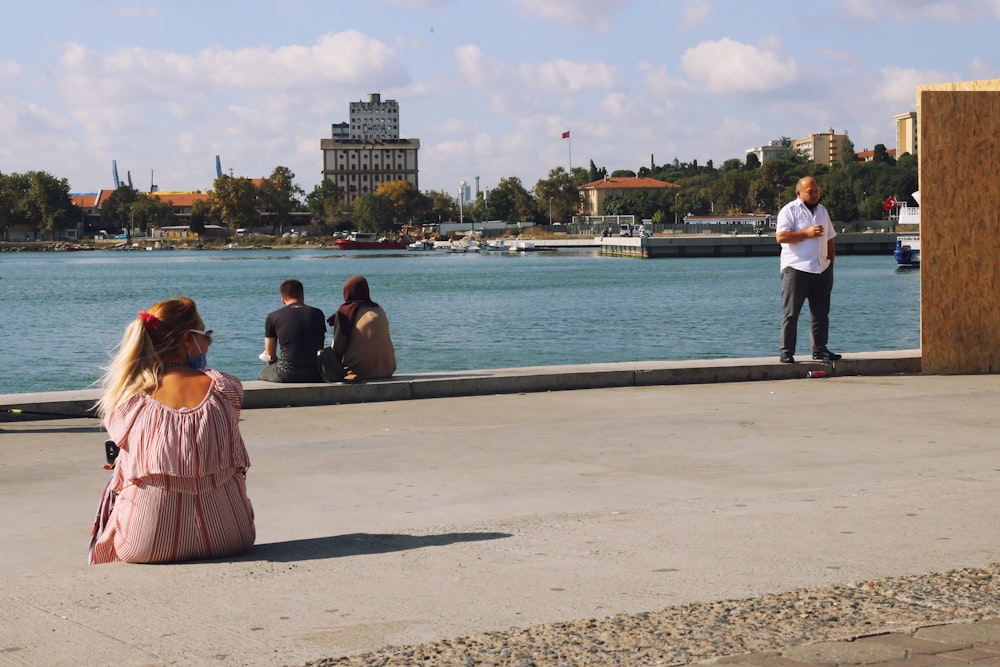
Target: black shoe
[
  {"x": 826, "y": 355},
  {"x": 786, "y": 358}
]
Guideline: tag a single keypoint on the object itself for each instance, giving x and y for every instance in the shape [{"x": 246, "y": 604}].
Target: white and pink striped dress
[{"x": 178, "y": 489}]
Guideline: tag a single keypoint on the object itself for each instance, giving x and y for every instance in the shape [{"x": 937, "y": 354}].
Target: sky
[{"x": 489, "y": 87}]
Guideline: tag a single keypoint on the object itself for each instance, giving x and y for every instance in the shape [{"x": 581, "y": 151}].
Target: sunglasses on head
[{"x": 207, "y": 333}]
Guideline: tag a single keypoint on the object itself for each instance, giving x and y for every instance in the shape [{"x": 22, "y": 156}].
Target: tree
[
  {"x": 509, "y": 200},
  {"x": 234, "y": 201},
  {"x": 881, "y": 155},
  {"x": 151, "y": 211},
  {"x": 442, "y": 207},
  {"x": 278, "y": 196},
  {"x": 766, "y": 191},
  {"x": 373, "y": 213},
  {"x": 202, "y": 214},
  {"x": 47, "y": 204},
  {"x": 116, "y": 211},
  {"x": 407, "y": 202},
  {"x": 847, "y": 154},
  {"x": 558, "y": 196}
]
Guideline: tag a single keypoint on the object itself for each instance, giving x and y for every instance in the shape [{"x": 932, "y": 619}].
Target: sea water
[{"x": 63, "y": 313}]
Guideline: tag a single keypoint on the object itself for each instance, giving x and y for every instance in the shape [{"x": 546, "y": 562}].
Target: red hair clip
[{"x": 149, "y": 320}]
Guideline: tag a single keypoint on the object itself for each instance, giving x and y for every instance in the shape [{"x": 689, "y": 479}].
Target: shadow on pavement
[{"x": 356, "y": 544}]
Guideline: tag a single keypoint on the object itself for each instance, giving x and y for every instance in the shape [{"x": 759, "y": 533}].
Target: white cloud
[
  {"x": 695, "y": 13},
  {"x": 596, "y": 14},
  {"x": 907, "y": 11},
  {"x": 730, "y": 67},
  {"x": 139, "y": 12},
  {"x": 899, "y": 85},
  {"x": 555, "y": 76},
  {"x": 980, "y": 69},
  {"x": 9, "y": 68},
  {"x": 422, "y": 4}
]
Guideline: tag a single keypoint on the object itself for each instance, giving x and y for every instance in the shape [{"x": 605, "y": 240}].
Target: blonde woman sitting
[{"x": 177, "y": 489}]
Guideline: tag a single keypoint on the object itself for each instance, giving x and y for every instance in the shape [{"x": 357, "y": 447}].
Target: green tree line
[{"x": 851, "y": 191}]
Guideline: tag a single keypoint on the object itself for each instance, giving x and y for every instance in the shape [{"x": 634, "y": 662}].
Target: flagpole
[{"x": 565, "y": 135}]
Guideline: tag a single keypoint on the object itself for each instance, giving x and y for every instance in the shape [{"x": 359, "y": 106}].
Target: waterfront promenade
[{"x": 660, "y": 514}]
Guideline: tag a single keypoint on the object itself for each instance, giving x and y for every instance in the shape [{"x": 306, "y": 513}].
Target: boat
[
  {"x": 907, "y": 252},
  {"x": 464, "y": 246},
  {"x": 497, "y": 245},
  {"x": 363, "y": 241},
  {"x": 421, "y": 246}
]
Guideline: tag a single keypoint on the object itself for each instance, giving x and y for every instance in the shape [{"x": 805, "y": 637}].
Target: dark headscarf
[{"x": 356, "y": 294}]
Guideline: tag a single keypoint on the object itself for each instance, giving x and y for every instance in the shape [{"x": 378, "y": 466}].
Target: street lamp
[
  {"x": 676, "y": 195},
  {"x": 461, "y": 196}
]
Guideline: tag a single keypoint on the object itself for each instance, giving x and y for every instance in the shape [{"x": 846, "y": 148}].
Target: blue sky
[{"x": 488, "y": 86}]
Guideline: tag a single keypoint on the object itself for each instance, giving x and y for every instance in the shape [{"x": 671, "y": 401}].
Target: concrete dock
[{"x": 475, "y": 508}]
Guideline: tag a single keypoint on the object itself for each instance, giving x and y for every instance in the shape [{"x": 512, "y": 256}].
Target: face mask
[{"x": 198, "y": 363}]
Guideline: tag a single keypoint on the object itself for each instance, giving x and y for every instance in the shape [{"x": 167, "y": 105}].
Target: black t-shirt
[{"x": 300, "y": 331}]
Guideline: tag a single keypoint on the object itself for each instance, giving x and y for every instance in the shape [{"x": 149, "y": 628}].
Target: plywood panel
[{"x": 960, "y": 227}]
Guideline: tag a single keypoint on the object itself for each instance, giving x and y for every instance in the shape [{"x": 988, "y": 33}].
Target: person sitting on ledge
[
  {"x": 299, "y": 331},
  {"x": 178, "y": 484},
  {"x": 361, "y": 334}
]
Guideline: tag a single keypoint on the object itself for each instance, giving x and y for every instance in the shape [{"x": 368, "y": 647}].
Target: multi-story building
[
  {"x": 906, "y": 133},
  {"x": 363, "y": 154},
  {"x": 822, "y": 148},
  {"x": 774, "y": 150}
]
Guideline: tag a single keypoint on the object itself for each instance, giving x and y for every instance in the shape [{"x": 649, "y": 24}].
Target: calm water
[{"x": 63, "y": 313}]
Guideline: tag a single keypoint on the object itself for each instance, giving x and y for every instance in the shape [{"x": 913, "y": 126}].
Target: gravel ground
[{"x": 704, "y": 632}]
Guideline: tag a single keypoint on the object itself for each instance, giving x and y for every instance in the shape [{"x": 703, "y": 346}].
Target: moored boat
[
  {"x": 363, "y": 241},
  {"x": 421, "y": 246},
  {"x": 907, "y": 252}
]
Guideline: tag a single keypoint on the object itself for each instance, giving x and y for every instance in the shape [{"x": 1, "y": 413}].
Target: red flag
[
  {"x": 565, "y": 135},
  {"x": 890, "y": 204}
]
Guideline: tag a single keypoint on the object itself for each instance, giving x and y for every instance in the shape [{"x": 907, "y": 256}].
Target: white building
[
  {"x": 361, "y": 155},
  {"x": 774, "y": 150},
  {"x": 906, "y": 133}
]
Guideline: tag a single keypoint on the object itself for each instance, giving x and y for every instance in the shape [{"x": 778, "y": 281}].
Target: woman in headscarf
[{"x": 361, "y": 334}]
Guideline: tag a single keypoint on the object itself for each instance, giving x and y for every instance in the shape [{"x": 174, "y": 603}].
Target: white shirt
[{"x": 809, "y": 255}]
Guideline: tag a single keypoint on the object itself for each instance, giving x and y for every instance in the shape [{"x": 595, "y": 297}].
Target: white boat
[
  {"x": 468, "y": 243},
  {"x": 498, "y": 245},
  {"x": 907, "y": 252},
  {"x": 421, "y": 246}
]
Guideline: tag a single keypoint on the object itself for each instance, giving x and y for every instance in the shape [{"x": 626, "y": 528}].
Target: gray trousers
[
  {"x": 797, "y": 287},
  {"x": 280, "y": 372}
]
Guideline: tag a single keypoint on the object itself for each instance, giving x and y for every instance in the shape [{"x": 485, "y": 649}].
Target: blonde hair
[{"x": 137, "y": 365}]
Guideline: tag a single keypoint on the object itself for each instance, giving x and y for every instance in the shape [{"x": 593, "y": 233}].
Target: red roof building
[{"x": 593, "y": 195}]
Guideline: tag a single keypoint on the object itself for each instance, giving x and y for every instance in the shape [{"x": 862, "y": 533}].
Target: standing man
[
  {"x": 807, "y": 253},
  {"x": 299, "y": 330}
]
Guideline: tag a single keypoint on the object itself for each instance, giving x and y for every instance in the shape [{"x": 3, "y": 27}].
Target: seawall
[{"x": 501, "y": 381}]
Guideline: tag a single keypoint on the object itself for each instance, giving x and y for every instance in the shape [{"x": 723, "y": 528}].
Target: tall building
[
  {"x": 823, "y": 148},
  {"x": 906, "y": 133},
  {"x": 363, "y": 154}
]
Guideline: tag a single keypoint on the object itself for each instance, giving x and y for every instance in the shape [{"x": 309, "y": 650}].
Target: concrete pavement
[{"x": 408, "y": 521}]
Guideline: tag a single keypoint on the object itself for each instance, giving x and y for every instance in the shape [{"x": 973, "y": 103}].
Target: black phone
[{"x": 111, "y": 451}]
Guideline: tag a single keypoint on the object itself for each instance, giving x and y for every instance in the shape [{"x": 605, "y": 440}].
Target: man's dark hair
[{"x": 292, "y": 289}]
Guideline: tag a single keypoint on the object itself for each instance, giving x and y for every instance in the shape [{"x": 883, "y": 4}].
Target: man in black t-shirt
[{"x": 298, "y": 331}]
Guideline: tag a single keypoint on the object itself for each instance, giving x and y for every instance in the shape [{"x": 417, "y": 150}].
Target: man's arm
[
  {"x": 789, "y": 236},
  {"x": 271, "y": 348},
  {"x": 831, "y": 251}
]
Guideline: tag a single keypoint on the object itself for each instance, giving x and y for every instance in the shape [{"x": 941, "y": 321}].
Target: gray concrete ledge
[{"x": 449, "y": 384}]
